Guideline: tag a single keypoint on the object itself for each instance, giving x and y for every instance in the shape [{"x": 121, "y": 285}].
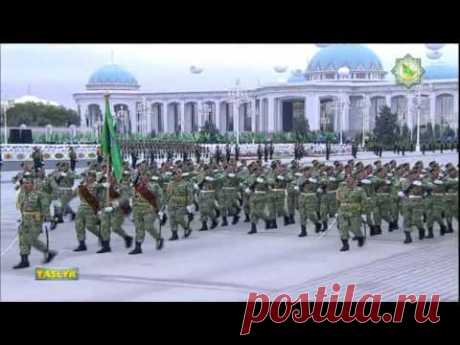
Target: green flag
[{"x": 109, "y": 142}]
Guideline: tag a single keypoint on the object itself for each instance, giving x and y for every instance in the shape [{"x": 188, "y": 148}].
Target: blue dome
[
  {"x": 354, "y": 56},
  {"x": 112, "y": 76},
  {"x": 296, "y": 77},
  {"x": 440, "y": 71}
]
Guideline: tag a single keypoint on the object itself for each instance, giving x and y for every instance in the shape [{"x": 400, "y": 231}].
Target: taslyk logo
[{"x": 408, "y": 71}]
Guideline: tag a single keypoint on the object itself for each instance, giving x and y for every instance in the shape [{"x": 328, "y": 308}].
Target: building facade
[{"x": 329, "y": 100}]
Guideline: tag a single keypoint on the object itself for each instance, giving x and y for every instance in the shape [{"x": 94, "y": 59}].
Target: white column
[
  {"x": 217, "y": 104},
  {"x": 271, "y": 114},
  {"x": 346, "y": 114},
  {"x": 253, "y": 114},
  {"x": 199, "y": 112},
  {"x": 388, "y": 100},
  {"x": 165, "y": 117},
  {"x": 411, "y": 112},
  {"x": 133, "y": 115},
  {"x": 312, "y": 112},
  {"x": 433, "y": 108},
  {"x": 182, "y": 116},
  {"x": 236, "y": 117}
]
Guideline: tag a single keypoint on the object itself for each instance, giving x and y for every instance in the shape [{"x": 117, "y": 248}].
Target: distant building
[{"x": 314, "y": 93}]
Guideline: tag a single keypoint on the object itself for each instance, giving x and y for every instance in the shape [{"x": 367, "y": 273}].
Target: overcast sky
[{"x": 55, "y": 71}]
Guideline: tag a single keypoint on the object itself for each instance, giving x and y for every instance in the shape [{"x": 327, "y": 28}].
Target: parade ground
[{"x": 226, "y": 263}]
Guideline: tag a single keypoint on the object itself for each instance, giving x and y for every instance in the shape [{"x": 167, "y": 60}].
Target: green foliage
[
  {"x": 386, "y": 128},
  {"x": 40, "y": 115}
]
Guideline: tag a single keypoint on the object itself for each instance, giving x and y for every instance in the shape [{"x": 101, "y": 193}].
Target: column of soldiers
[{"x": 353, "y": 195}]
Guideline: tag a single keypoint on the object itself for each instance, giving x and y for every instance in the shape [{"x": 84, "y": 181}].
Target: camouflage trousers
[
  {"x": 246, "y": 208},
  {"x": 144, "y": 221},
  {"x": 412, "y": 211},
  {"x": 384, "y": 209},
  {"x": 65, "y": 196},
  {"x": 206, "y": 202},
  {"x": 435, "y": 206},
  {"x": 112, "y": 222},
  {"x": 327, "y": 206},
  {"x": 276, "y": 204},
  {"x": 257, "y": 202},
  {"x": 349, "y": 222},
  {"x": 292, "y": 201},
  {"x": 370, "y": 210},
  {"x": 178, "y": 216},
  {"x": 228, "y": 202},
  {"x": 29, "y": 232},
  {"x": 86, "y": 219},
  {"x": 451, "y": 210},
  {"x": 395, "y": 209},
  {"x": 308, "y": 208}
]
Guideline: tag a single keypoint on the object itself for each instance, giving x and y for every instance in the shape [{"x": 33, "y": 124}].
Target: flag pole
[{"x": 107, "y": 95}]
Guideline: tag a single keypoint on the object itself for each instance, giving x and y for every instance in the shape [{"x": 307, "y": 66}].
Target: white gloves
[
  {"x": 209, "y": 178},
  {"x": 195, "y": 186},
  {"x": 416, "y": 183},
  {"x": 216, "y": 204},
  {"x": 319, "y": 190},
  {"x": 401, "y": 194},
  {"x": 115, "y": 203},
  {"x": 247, "y": 190},
  {"x": 160, "y": 215},
  {"x": 388, "y": 182},
  {"x": 63, "y": 174},
  {"x": 438, "y": 182},
  {"x": 99, "y": 213},
  {"x": 105, "y": 185},
  {"x": 298, "y": 174},
  {"x": 331, "y": 178},
  {"x": 154, "y": 178},
  {"x": 190, "y": 208},
  {"x": 312, "y": 180},
  {"x": 108, "y": 209},
  {"x": 17, "y": 184},
  {"x": 363, "y": 217},
  {"x": 366, "y": 181},
  {"x": 131, "y": 203},
  {"x": 279, "y": 177},
  {"x": 260, "y": 180},
  {"x": 296, "y": 188},
  {"x": 57, "y": 203},
  {"x": 231, "y": 175}
]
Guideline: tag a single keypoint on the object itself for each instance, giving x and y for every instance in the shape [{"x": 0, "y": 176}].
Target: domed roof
[
  {"x": 112, "y": 76},
  {"x": 440, "y": 71},
  {"x": 354, "y": 56},
  {"x": 296, "y": 76}
]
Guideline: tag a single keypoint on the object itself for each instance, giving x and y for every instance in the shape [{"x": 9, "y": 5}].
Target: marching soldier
[
  {"x": 308, "y": 201},
  {"x": 228, "y": 198},
  {"x": 34, "y": 211},
  {"x": 292, "y": 194},
  {"x": 257, "y": 188},
  {"x": 37, "y": 158},
  {"x": 207, "y": 199},
  {"x": 435, "y": 202},
  {"x": 180, "y": 204},
  {"x": 259, "y": 152},
  {"x": 384, "y": 203},
  {"x": 328, "y": 201},
  {"x": 147, "y": 206},
  {"x": 276, "y": 196},
  {"x": 73, "y": 158},
  {"x": 451, "y": 197},
  {"x": 351, "y": 199}
]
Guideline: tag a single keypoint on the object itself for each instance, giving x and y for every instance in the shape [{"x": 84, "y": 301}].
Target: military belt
[
  {"x": 308, "y": 193},
  {"x": 259, "y": 192},
  {"x": 437, "y": 193},
  {"x": 278, "y": 190},
  {"x": 65, "y": 188},
  {"x": 383, "y": 193},
  {"x": 415, "y": 196},
  {"x": 229, "y": 188},
  {"x": 208, "y": 191},
  {"x": 451, "y": 193}
]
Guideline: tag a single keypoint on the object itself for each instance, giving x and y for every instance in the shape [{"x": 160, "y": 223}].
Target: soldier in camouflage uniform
[
  {"x": 277, "y": 195},
  {"x": 435, "y": 202},
  {"x": 329, "y": 183},
  {"x": 412, "y": 194},
  {"x": 383, "y": 199},
  {"x": 180, "y": 204},
  {"x": 367, "y": 184},
  {"x": 207, "y": 198},
  {"x": 292, "y": 197},
  {"x": 308, "y": 201},
  {"x": 88, "y": 212},
  {"x": 34, "y": 211},
  {"x": 243, "y": 175},
  {"x": 229, "y": 185},
  {"x": 145, "y": 214},
  {"x": 257, "y": 190},
  {"x": 65, "y": 180},
  {"x": 351, "y": 199},
  {"x": 451, "y": 197}
]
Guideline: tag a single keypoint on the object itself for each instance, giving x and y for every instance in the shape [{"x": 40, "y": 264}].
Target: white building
[{"x": 325, "y": 97}]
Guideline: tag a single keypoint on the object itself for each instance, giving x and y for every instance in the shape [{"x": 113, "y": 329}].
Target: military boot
[
  {"x": 274, "y": 224},
  {"x": 372, "y": 230},
  {"x": 174, "y": 236},
  {"x": 391, "y": 226},
  {"x": 430, "y": 232},
  {"x": 72, "y": 215},
  {"x": 345, "y": 246},
  {"x": 128, "y": 241},
  {"x": 204, "y": 226},
  {"x": 287, "y": 220},
  {"x": 59, "y": 218},
  {"x": 317, "y": 227},
  {"x": 267, "y": 224},
  {"x": 236, "y": 218},
  {"x": 324, "y": 226},
  {"x": 105, "y": 247},
  {"x": 408, "y": 237},
  {"x": 187, "y": 232},
  {"x": 81, "y": 247},
  {"x": 449, "y": 228},
  {"x": 246, "y": 219},
  {"x": 24, "y": 262},
  {"x": 442, "y": 230},
  {"x": 53, "y": 225},
  {"x": 137, "y": 249},
  {"x": 49, "y": 256},
  {"x": 303, "y": 231},
  {"x": 421, "y": 233},
  {"x": 378, "y": 230},
  {"x": 224, "y": 221},
  {"x": 361, "y": 241},
  {"x": 159, "y": 243},
  {"x": 214, "y": 224},
  {"x": 253, "y": 229},
  {"x": 292, "y": 219}
]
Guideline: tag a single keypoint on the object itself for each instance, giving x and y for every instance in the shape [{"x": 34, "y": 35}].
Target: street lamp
[
  {"x": 364, "y": 107},
  {"x": 237, "y": 96},
  {"x": 418, "y": 105}
]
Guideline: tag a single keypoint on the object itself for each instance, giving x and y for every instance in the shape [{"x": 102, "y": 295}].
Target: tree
[
  {"x": 40, "y": 115},
  {"x": 209, "y": 132},
  {"x": 301, "y": 128},
  {"x": 386, "y": 127},
  {"x": 427, "y": 135}
]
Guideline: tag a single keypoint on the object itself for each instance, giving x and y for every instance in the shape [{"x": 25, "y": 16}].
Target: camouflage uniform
[
  {"x": 308, "y": 202},
  {"x": 258, "y": 189},
  {"x": 180, "y": 196},
  {"x": 207, "y": 200},
  {"x": 451, "y": 198}
]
